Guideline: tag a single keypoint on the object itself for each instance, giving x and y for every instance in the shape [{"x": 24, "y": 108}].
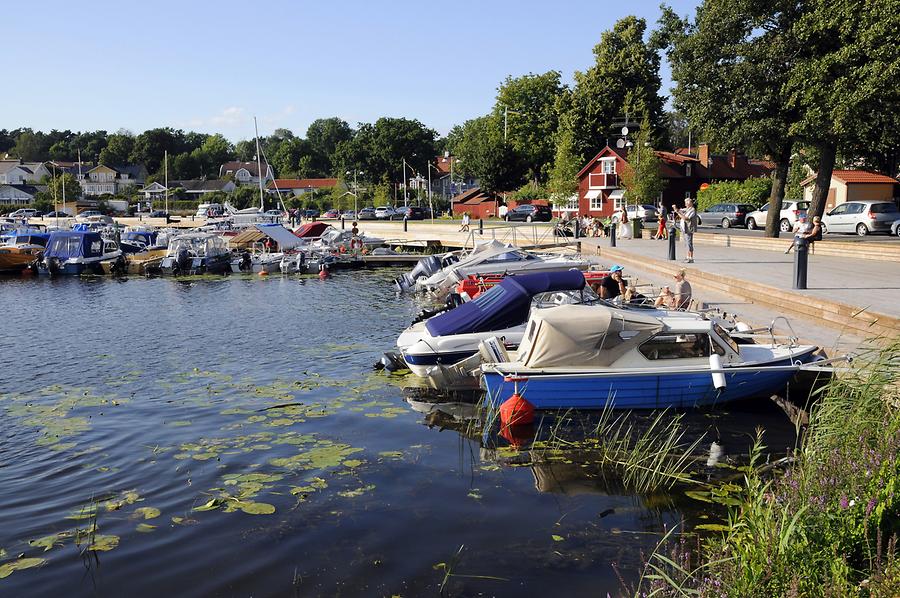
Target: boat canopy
[
  {"x": 311, "y": 230},
  {"x": 583, "y": 336},
  {"x": 143, "y": 236},
  {"x": 285, "y": 238},
  {"x": 504, "y": 305},
  {"x": 24, "y": 236},
  {"x": 69, "y": 244}
]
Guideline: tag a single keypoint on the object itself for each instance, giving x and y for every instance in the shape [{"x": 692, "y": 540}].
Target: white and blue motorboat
[
  {"x": 597, "y": 357},
  {"x": 501, "y": 311},
  {"x": 77, "y": 252},
  {"x": 197, "y": 253}
]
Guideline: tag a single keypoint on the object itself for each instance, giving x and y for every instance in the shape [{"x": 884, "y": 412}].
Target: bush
[
  {"x": 529, "y": 192},
  {"x": 752, "y": 191}
]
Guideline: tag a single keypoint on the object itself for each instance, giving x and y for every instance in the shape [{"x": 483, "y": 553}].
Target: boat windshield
[
  {"x": 511, "y": 256},
  {"x": 676, "y": 346},
  {"x": 726, "y": 338}
]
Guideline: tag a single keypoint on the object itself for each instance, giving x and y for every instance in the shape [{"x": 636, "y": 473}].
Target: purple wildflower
[
  {"x": 872, "y": 502},
  {"x": 844, "y": 502}
]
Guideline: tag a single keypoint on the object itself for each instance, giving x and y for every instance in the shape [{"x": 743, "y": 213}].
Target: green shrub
[
  {"x": 529, "y": 192},
  {"x": 752, "y": 191}
]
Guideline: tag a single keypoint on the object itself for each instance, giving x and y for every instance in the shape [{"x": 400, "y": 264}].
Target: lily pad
[
  {"x": 212, "y": 504},
  {"x": 713, "y": 527},
  {"x": 7, "y": 569},
  {"x": 145, "y": 528},
  {"x": 46, "y": 542},
  {"x": 258, "y": 508},
  {"x": 557, "y": 538},
  {"x": 103, "y": 542},
  {"x": 147, "y": 512}
]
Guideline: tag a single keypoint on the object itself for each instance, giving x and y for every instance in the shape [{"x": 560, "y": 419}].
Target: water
[{"x": 129, "y": 404}]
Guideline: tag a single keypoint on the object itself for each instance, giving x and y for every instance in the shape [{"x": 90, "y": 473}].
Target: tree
[
  {"x": 624, "y": 79},
  {"x": 212, "y": 153},
  {"x": 845, "y": 79},
  {"x": 31, "y": 147},
  {"x": 383, "y": 146},
  {"x": 184, "y": 166},
  {"x": 566, "y": 165},
  {"x": 532, "y": 120},
  {"x": 731, "y": 65},
  {"x": 244, "y": 197},
  {"x": 479, "y": 146},
  {"x": 641, "y": 179},
  {"x": 118, "y": 149},
  {"x": 246, "y": 150},
  {"x": 55, "y": 185},
  {"x": 325, "y": 136},
  {"x": 151, "y": 146}
]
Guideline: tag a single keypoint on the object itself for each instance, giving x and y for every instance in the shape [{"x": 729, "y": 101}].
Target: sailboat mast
[
  {"x": 259, "y": 166},
  {"x": 166, "y": 162}
]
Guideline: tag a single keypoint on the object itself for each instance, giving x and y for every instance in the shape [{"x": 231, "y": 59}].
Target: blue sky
[{"x": 210, "y": 66}]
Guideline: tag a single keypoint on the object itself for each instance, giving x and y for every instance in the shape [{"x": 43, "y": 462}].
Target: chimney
[
  {"x": 703, "y": 154},
  {"x": 732, "y": 158}
]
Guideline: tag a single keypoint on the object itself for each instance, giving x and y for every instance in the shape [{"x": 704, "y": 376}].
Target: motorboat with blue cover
[
  {"x": 596, "y": 357},
  {"x": 197, "y": 253},
  {"x": 502, "y": 311},
  {"x": 77, "y": 252},
  {"x": 138, "y": 241}
]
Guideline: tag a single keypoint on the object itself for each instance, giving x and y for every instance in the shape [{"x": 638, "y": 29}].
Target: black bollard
[
  {"x": 405, "y": 223},
  {"x": 612, "y": 234},
  {"x": 577, "y": 228},
  {"x": 672, "y": 243},
  {"x": 481, "y": 226},
  {"x": 801, "y": 260},
  {"x": 342, "y": 223}
]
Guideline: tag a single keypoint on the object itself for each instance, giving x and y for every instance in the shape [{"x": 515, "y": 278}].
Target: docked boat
[
  {"x": 78, "y": 252},
  {"x": 20, "y": 248},
  {"x": 138, "y": 240},
  {"x": 197, "y": 253},
  {"x": 596, "y": 357},
  {"x": 491, "y": 258},
  {"x": 453, "y": 336}
]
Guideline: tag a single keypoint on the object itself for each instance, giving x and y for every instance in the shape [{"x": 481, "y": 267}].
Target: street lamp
[
  {"x": 355, "y": 194},
  {"x": 430, "y": 192},
  {"x": 451, "y": 159}
]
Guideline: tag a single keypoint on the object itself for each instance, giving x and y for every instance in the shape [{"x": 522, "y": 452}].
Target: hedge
[{"x": 751, "y": 191}]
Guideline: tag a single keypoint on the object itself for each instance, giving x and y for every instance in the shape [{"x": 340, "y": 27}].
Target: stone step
[{"x": 857, "y": 320}]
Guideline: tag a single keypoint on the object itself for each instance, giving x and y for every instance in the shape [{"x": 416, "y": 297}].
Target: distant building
[
  {"x": 478, "y": 204},
  {"x": 17, "y": 195},
  {"x": 853, "y": 185},
  {"x": 299, "y": 186},
  {"x": 246, "y": 172},
  {"x": 194, "y": 189},
  {"x": 18, "y": 172},
  {"x": 103, "y": 179},
  {"x": 600, "y": 189}
]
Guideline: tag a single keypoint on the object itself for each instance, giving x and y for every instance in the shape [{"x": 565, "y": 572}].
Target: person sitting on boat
[
  {"x": 666, "y": 298},
  {"x": 613, "y": 285},
  {"x": 682, "y": 294}
]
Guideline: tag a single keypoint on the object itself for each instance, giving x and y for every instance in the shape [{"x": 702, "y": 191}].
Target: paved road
[{"x": 743, "y": 232}]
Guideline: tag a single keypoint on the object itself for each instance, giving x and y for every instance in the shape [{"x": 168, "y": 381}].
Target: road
[{"x": 848, "y": 238}]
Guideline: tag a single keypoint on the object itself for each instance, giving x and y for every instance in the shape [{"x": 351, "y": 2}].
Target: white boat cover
[
  {"x": 582, "y": 336},
  {"x": 285, "y": 238}
]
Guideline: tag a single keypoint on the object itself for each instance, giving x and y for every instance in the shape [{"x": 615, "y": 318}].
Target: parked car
[
  {"x": 410, "y": 213},
  {"x": 310, "y": 213},
  {"x": 384, "y": 212},
  {"x": 348, "y": 215},
  {"x": 895, "y": 228},
  {"x": 331, "y": 214},
  {"x": 87, "y": 214},
  {"x": 791, "y": 210},
  {"x": 861, "y": 217},
  {"x": 24, "y": 213},
  {"x": 158, "y": 214},
  {"x": 367, "y": 214},
  {"x": 529, "y": 213},
  {"x": 645, "y": 212},
  {"x": 725, "y": 215},
  {"x": 57, "y": 214}
]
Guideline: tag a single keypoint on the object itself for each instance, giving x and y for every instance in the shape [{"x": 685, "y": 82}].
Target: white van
[{"x": 203, "y": 209}]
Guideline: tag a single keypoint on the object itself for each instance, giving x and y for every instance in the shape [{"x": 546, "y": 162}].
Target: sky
[{"x": 210, "y": 66}]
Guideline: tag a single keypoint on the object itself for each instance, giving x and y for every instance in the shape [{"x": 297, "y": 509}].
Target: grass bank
[{"x": 827, "y": 525}]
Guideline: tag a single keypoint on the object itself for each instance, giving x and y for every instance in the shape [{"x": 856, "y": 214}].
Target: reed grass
[{"x": 828, "y": 525}]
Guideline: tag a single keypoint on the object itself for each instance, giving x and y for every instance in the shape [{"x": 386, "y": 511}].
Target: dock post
[
  {"x": 672, "y": 243},
  {"x": 612, "y": 234},
  {"x": 405, "y": 224},
  {"x": 577, "y": 228},
  {"x": 801, "y": 261},
  {"x": 343, "y": 225},
  {"x": 481, "y": 226}
]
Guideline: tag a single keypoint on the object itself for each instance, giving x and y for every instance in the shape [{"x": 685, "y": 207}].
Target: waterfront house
[
  {"x": 102, "y": 179},
  {"x": 478, "y": 203},
  {"x": 18, "y": 172},
  {"x": 600, "y": 189},
  {"x": 853, "y": 185},
  {"x": 246, "y": 172},
  {"x": 17, "y": 195},
  {"x": 299, "y": 186},
  {"x": 189, "y": 189}
]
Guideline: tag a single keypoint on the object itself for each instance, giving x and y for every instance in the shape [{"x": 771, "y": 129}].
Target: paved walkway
[{"x": 874, "y": 285}]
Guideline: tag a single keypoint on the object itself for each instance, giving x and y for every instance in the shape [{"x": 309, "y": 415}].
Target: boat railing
[{"x": 518, "y": 234}]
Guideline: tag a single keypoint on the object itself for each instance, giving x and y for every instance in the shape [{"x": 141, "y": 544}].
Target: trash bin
[{"x": 637, "y": 228}]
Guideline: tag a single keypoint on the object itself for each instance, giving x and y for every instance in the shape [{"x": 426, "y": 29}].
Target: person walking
[
  {"x": 661, "y": 228},
  {"x": 624, "y": 226},
  {"x": 465, "y": 223},
  {"x": 688, "y": 217}
]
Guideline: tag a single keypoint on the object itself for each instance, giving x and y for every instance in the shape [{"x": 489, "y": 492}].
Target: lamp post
[
  {"x": 430, "y": 193},
  {"x": 451, "y": 160},
  {"x": 355, "y": 193}
]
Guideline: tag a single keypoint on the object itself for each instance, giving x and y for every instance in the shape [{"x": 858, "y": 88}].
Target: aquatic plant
[{"x": 826, "y": 526}]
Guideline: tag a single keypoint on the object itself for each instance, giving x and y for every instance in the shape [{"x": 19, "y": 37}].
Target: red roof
[
  {"x": 854, "y": 176},
  {"x": 302, "y": 183},
  {"x": 442, "y": 164}
]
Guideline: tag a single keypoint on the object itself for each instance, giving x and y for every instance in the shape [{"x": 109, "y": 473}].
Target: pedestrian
[
  {"x": 624, "y": 226},
  {"x": 688, "y": 217},
  {"x": 661, "y": 228},
  {"x": 801, "y": 228},
  {"x": 465, "y": 223}
]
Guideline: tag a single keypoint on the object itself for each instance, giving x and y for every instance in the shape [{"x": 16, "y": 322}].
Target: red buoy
[{"x": 516, "y": 411}]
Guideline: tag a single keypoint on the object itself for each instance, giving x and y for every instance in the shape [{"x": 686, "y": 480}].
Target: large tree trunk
[
  {"x": 827, "y": 153},
  {"x": 776, "y": 197}
]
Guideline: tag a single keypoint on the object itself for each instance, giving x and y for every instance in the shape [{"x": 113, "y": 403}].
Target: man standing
[{"x": 688, "y": 218}]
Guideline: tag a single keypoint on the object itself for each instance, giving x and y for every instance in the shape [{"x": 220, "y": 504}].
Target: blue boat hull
[{"x": 641, "y": 391}]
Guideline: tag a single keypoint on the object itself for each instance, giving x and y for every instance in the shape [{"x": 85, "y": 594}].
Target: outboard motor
[
  {"x": 53, "y": 264},
  {"x": 424, "y": 268},
  {"x": 391, "y": 362},
  {"x": 246, "y": 263},
  {"x": 183, "y": 261},
  {"x": 119, "y": 266}
]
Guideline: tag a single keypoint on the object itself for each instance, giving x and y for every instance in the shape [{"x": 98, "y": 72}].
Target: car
[
  {"x": 791, "y": 210},
  {"x": 310, "y": 213},
  {"x": 367, "y": 214},
  {"x": 85, "y": 215},
  {"x": 209, "y": 210},
  {"x": 384, "y": 212},
  {"x": 24, "y": 213},
  {"x": 57, "y": 214},
  {"x": 348, "y": 215},
  {"x": 331, "y": 214},
  {"x": 725, "y": 215},
  {"x": 645, "y": 212},
  {"x": 409, "y": 213},
  {"x": 895, "y": 228},
  {"x": 529, "y": 213},
  {"x": 861, "y": 217},
  {"x": 158, "y": 214}
]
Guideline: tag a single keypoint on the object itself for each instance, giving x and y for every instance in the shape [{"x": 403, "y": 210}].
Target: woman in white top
[{"x": 624, "y": 226}]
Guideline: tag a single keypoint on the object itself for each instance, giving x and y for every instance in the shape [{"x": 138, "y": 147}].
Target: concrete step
[
  {"x": 886, "y": 252},
  {"x": 833, "y": 314}
]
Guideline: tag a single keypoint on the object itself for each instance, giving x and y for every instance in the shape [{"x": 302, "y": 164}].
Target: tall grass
[{"x": 825, "y": 527}]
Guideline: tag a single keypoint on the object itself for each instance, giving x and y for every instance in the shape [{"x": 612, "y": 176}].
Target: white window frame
[
  {"x": 597, "y": 203},
  {"x": 608, "y": 166},
  {"x": 619, "y": 203}
]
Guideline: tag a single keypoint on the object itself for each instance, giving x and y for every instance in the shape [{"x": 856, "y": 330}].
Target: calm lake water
[{"x": 229, "y": 437}]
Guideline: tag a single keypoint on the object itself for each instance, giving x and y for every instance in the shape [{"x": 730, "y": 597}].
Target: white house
[
  {"x": 17, "y": 172},
  {"x": 103, "y": 179},
  {"x": 193, "y": 189},
  {"x": 17, "y": 195},
  {"x": 246, "y": 172}
]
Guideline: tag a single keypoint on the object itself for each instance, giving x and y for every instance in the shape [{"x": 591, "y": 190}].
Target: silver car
[
  {"x": 861, "y": 217},
  {"x": 790, "y": 212}
]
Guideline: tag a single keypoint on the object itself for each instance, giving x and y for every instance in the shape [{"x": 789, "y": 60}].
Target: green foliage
[
  {"x": 479, "y": 145},
  {"x": 642, "y": 181},
  {"x": 529, "y": 192},
  {"x": 624, "y": 78},
  {"x": 752, "y": 191},
  {"x": 55, "y": 186},
  {"x": 118, "y": 149},
  {"x": 532, "y": 120},
  {"x": 244, "y": 196},
  {"x": 566, "y": 165}
]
